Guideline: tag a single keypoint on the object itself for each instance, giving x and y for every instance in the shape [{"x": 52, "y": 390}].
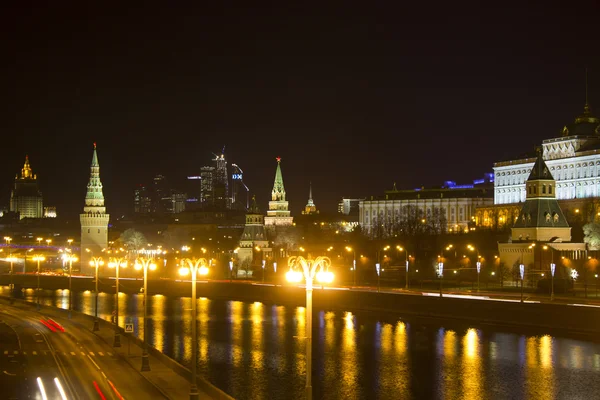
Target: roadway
[{"x": 38, "y": 360}]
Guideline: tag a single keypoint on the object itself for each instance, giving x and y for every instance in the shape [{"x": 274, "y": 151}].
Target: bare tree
[{"x": 133, "y": 240}]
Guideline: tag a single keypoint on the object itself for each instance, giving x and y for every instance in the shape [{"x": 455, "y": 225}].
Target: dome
[{"x": 585, "y": 125}]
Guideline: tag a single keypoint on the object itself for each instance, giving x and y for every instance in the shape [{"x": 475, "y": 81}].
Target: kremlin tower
[
  {"x": 278, "y": 213},
  {"x": 94, "y": 220}
]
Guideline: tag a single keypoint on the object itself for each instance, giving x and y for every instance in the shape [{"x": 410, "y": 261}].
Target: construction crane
[{"x": 237, "y": 178}]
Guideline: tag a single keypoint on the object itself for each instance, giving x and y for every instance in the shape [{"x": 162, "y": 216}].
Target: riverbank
[{"x": 564, "y": 319}]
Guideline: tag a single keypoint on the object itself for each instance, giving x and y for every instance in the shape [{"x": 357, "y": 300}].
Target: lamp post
[
  {"x": 95, "y": 262},
  {"x": 353, "y": 251},
  {"x": 299, "y": 267},
  {"x": 230, "y": 270},
  {"x": 39, "y": 240},
  {"x": 38, "y": 259},
  {"x": 552, "y": 271},
  {"x": 117, "y": 263},
  {"x": 478, "y": 263},
  {"x": 441, "y": 265},
  {"x": 401, "y": 249},
  {"x": 11, "y": 259},
  {"x": 70, "y": 258},
  {"x": 146, "y": 262},
  {"x": 196, "y": 266}
]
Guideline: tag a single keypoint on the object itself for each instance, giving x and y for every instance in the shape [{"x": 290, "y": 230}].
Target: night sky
[{"x": 352, "y": 99}]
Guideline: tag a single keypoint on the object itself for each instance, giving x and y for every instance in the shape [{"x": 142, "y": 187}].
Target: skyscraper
[
  {"x": 278, "y": 213},
  {"x": 221, "y": 183},
  {"x": 207, "y": 191},
  {"x": 94, "y": 220},
  {"x": 26, "y": 198}
]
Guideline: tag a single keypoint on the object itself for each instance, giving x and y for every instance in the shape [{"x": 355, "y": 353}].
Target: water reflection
[
  {"x": 256, "y": 351},
  {"x": 471, "y": 366}
]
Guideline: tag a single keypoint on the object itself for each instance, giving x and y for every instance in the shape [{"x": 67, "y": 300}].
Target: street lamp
[
  {"x": 48, "y": 241},
  {"x": 440, "y": 270},
  {"x": 401, "y": 249},
  {"x": 38, "y": 259},
  {"x": 353, "y": 251},
  {"x": 146, "y": 262},
  {"x": 39, "y": 240},
  {"x": 300, "y": 266},
  {"x": 10, "y": 259},
  {"x": 196, "y": 266},
  {"x": 478, "y": 264},
  {"x": 95, "y": 262},
  {"x": 552, "y": 271},
  {"x": 70, "y": 258},
  {"x": 117, "y": 263}
]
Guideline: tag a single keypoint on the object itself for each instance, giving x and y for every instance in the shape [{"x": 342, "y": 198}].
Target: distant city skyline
[{"x": 351, "y": 101}]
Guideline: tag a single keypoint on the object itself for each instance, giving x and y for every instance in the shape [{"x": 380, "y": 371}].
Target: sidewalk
[{"x": 171, "y": 384}]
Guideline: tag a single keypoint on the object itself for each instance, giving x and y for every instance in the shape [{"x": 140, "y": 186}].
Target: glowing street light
[
  {"x": 552, "y": 271},
  {"x": 117, "y": 263},
  {"x": 38, "y": 259},
  {"x": 146, "y": 262},
  {"x": 401, "y": 249},
  {"x": 70, "y": 258},
  {"x": 10, "y": 259},
  {"x": 353, "y": 251},
  {"x": 478, "y": 264},
  {"x": 311, "y": 269},
  {"x": 195, "y": 266},
  {"x": 94, "y": 262}
]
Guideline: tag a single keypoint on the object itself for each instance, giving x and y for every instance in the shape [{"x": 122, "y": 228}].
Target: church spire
[
  {"x": 94, "y": 198},
  {"x": 278, "y": 193},
  {"x": 278, "y": 213},
  {"x": 310, "y": 207}
]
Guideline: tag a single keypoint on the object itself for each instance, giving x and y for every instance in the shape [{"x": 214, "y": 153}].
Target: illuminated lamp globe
[
  {"x": 183, "y": 271},
  {"x": 203, "y": 270}
]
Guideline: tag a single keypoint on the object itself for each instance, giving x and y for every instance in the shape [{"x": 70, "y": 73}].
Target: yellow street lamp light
[
  {"x": 197, "y": 266},
  {"x": 68, "y": 257},
  {"x": 146, "y": 262},
  {"x": 117, "y": 263},
  {"x": 38, "y": 259},
  {"x": 353, "y": 251},
  {"x": 299, "y": 266},
  {"x": 94, "y": 262},
  {"x": 48, "y": 241}
]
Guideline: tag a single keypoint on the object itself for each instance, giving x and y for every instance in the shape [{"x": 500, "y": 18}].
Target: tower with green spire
[
  {"x": 94, "y": 220},
  {"x": 278, "y": 213}
]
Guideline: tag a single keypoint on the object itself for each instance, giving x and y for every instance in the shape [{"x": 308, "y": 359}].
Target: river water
[{"x": 257, "y": 351}]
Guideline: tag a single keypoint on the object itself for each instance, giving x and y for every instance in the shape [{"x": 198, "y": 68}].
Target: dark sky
[{"x": 352, "y": 99}]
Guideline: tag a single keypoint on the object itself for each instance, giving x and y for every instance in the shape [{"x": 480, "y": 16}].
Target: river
[{"x": 256, "y": 351}]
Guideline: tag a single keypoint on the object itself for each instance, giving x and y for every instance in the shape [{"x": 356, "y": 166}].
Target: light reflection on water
[{"x": 256, "y": 351}]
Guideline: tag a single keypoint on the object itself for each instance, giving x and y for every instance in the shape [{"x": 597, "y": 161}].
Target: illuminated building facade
[
  {"x": 278, "y": 213},
  {"x": 450, "y": 207},
  {"x": 573, "y": 159},
  {"x": 26, "y": 198},
  {"x": 142, "y": 200},
  {"x": 540, "y": 220},
  {"x": 254, "y": 236},
  {"x": 50, "y": 212},
  {"x": 349, "y": 206},
  {"x": 221, "y": 183},
  {"x": 310, "y": 207},
  {"x": 207, "y": 191},
  {"x": 94, "y": 220}
]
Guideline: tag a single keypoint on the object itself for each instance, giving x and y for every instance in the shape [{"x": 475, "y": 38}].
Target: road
[{"x": 34, "y": 353}]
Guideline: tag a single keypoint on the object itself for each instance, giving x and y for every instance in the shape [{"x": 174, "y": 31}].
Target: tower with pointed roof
[
  {"x": 278, "y": 213},
  {"x": 541, "y": 218},
  {"x": 254, "y": 238},
  {"x": 310, "y": 207},
  {"x": 94, "y": 219},
  {"x": 26, "y": 198}
]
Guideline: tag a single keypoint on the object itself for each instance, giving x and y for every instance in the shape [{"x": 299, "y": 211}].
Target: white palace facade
[{"x": 573, "y": 160}]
